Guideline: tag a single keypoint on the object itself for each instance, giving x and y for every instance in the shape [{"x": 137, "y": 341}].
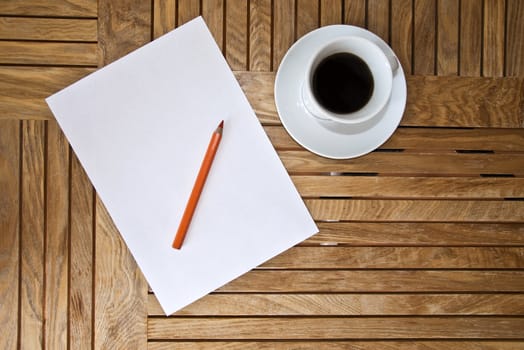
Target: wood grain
[
  {"x": 164, "y": 17},
  {"x": 347, "y": 305},
  {"x": 330, "y": 12},
  {"x": 402, "y": 32},
  {"x": 416, "y": 210},
  {"x": 470, "y": 37},
  {"x": 378, "y": 18},
  {"x": 187, "y": 10},
  {"x": 260, "y": 35},
  {"x": 56, "y": 29},
  {"x": 123, "y": 26},
  {"x": 424, "y": 35},
  {"x": 284, "y": 26},
  {"x": 57, "y": 242},
  {"x": 397, "y": 163},
  {"x": 409, "y": 187},
  {"x": 236, "y": 47},
  {"x": 308, "y": 17},
  {"x": 258, "y": 88},
  {"x": 514, "y": 38},
  {"x": 23, "y": 89},
  {"x": 48, "y": 53},
  {"x": 398, "y": 258},
  {"x": 32, "y": 235},
  {"x": 417, "y": 234},
  {"x": 120, "y": 289},
  {"x": 82, "y": 258},
  {"x": 53, "y": 8},
  {"x": 429, "y": 139},
  {"x": 213, "y": 13},
  {"x": 487, "y": 102},
  {"x": 447, "y": 37},
  {"x": 381, "y": 281},
  {"x": 340, "y": 345},
  {"x": 355, "y": 12},
  {"x": 336, "y": 328},
  {"x": 10, "y": 231},
  {"x": 493, "y": 38},
  {"x": 487, "y": 139},
  {"x": 37, "y": 82}
]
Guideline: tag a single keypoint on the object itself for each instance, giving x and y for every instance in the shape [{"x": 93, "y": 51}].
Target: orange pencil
[{"x": 197, "y": 187}]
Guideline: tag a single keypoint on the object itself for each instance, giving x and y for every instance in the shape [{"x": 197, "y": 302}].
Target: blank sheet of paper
[{"x": 140, "y": 127}]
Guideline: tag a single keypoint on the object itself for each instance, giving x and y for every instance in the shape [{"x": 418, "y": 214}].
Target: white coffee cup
[{"x": 381, "y": 68}]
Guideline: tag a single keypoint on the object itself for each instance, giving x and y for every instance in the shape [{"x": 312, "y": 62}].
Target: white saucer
[{"x": 325, "y": 138}]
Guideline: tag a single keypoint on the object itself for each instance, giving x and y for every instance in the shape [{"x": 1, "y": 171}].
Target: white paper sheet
[{"x": 140, "y": 127}]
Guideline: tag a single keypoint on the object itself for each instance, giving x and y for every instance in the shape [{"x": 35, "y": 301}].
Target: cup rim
[{"x": 353, "y": 117}]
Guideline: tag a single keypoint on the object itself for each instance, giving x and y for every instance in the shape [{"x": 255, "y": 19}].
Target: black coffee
[{"x": 342, "y": 83}]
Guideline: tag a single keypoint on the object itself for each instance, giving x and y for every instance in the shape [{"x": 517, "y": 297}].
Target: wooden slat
[
  {"x": 447, "y": 37},
  {"x": 514, "y": 38},
  {"x": 236, "y": 34},
  {"x": 398, "y": 258},
  {"x": 258, "y": 88},
  {"x": 23, "y": 89},
  {"x": 164, "y": 17},
  {"x": 417, "y": 210},
  {"x": 81, "y": 236},
  {"x": 48, "y": 53},
  {"x": 493, "y": 38},
  {"x": 308, "y": 17},
  {"x": 10, "y": 231},
  {"x": 378, "y": 18},
  {"x": 470, "y": 37},
  {"x": 417, "y": 234},
  {"x": 409, "y": 187},
  {"x": 55, "y": 29},
  {"x": 429, "y": 139},
  {"x": 213, "y": 13},
  {"x": 121, "y": 25},
  {"x": 424, "y": 37},
  {"x": 407, "y": 163},
  {"x": 330, "y": 12},
  {"x": 65, "y": 8},
  {"x": 260, "y": 35},
  {"x": 347, "y": 305},
  {"x": 457, "y": 139},
  {"x": 339, "y": 345},
  {"x": 402, "y": 32},
  {"x": 39, "y": 81},
  {"x": 336, "y": 328},
  {"x": 187, "y": 10},
  {"x": 32, "y": 236},
  {"x": 432, "y": 101},
  {"x": 381, "y": 281},
  {"x": 283, "y": 26},
  {"x": 120, "y": 290},
  {"x": 466, "y": 102},
  {"x": 57, "y": 242},
  {"x": 355, "y": 12}
]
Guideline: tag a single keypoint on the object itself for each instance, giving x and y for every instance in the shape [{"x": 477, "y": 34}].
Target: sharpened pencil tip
[{"x": 221, "y": 125}]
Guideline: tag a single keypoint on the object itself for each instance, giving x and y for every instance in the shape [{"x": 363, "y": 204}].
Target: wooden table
[{"x": 421, "y": 243}]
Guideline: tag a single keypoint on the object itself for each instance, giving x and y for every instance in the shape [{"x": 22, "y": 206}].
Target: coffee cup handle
[
  {"x": 393, "y": 62},
  {"x": 390, "y": 55}
]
